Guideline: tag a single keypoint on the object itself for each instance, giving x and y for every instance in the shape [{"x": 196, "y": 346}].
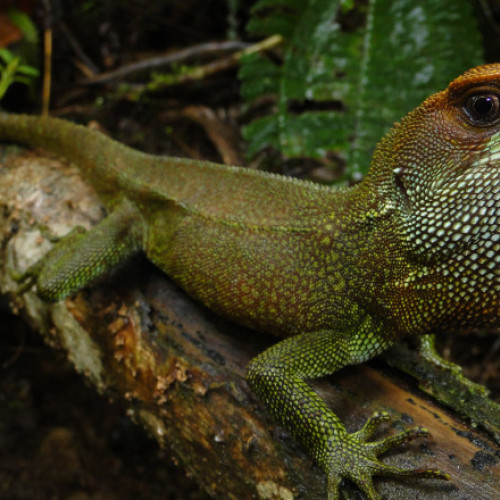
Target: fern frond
[{"x": 340, "y": 90}]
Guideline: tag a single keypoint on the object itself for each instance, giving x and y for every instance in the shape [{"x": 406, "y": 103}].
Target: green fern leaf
[{"x": 340, "y": 91}]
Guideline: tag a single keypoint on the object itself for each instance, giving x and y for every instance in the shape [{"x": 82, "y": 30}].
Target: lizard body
[{"x": 342, "y": 274}]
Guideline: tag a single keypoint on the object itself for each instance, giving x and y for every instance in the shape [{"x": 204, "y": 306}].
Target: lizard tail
[{"x": 82, "y": 145}]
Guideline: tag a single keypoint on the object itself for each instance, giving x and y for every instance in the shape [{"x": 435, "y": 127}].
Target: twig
[
  {"x": 221, "y": 135},
  {"x": 157, "y": 62},
  {"x": 47, "y": 71},
  {"x": 200, "y": 72},
  {"x": 47, "y": 58},
  {"x": 90, "y": 66}
]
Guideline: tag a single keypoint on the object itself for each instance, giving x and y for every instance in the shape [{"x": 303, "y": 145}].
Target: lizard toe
[
  {"x": 379, "y": 447},
  {"x": 357, "y": 460},
  {"x": 371, "y": 426}
]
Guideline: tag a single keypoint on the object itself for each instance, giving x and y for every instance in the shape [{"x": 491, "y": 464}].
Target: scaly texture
[{"x": 343, "y": 274}]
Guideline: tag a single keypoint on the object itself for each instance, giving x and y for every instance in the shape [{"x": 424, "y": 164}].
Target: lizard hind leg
[
  {"x": 81, "y": 257},
  {"x": 278, "y": 376}
]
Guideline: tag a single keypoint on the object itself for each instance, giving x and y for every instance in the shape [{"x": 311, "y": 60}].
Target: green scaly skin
[{"x": 342, "y": 274}]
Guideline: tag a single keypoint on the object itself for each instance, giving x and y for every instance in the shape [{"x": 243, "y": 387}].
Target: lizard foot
[
  {"x": 355, "y": 458},
  {"x": 27, "y": 279}
]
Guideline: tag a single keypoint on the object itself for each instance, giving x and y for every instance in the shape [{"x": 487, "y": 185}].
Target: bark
[{"x": 138, "y": 337}]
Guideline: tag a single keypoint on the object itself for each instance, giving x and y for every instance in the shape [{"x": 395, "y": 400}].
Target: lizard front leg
[
  {"x": 427, "y": 349},
  {"x": 81, "y": 257},
  {"x": 278, "y": 376}
]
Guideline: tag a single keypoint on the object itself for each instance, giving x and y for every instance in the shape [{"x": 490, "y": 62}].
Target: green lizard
[{"x": 341, "y": 274}]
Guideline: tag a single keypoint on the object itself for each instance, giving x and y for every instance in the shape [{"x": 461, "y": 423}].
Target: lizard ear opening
[{"x": 402, "y": 198}]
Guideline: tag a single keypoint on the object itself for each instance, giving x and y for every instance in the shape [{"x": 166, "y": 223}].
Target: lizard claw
[{"x": 356, "y": 458}]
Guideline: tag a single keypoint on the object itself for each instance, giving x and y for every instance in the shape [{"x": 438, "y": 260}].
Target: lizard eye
[{"x": 482, "y": 109}]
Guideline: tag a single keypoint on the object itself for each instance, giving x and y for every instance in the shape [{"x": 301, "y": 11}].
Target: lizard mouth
[
  {"x": 453, "y": 173},
  {"x": 479, "y": 171}
]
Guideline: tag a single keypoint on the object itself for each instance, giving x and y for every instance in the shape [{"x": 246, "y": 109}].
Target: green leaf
[
  {"x": 6, "y": 55},
  {"x": 340, "y": 90},
  {"x": 11, "y": 71},
  {"x": 28, "y": 70},
  {"x": 25, "y": 24}
]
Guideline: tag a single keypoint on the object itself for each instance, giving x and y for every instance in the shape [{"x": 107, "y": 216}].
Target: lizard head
[{"x": 439, "y": 169}]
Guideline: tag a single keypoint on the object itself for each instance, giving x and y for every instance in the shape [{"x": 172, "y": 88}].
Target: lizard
[{"x": 340, "y": 274}]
